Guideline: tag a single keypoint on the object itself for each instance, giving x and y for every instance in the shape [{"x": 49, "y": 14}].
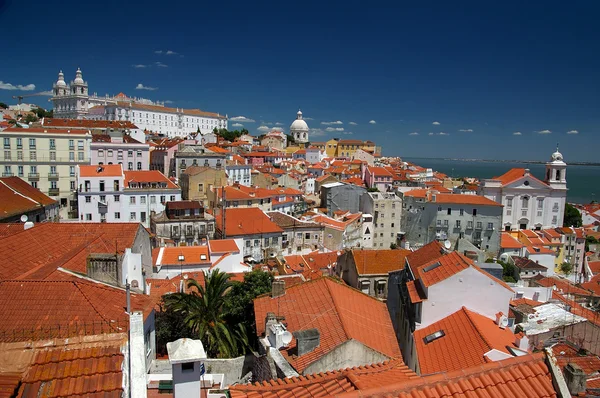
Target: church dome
[
  {"x": 61, "y": 80},
  {"x": 299, "y": 124},
  {"x": 557, "y": 156},
  {"x": 78, "y": 77}
]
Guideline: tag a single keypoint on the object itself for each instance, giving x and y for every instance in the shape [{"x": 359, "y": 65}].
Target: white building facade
[
  {"x": 299, "y": 129},
  {"x": 528, "y": 202},
  {"x": 108, "y": 194}
]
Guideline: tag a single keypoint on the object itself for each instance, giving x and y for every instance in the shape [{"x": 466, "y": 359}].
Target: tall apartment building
[
  {"x": 386, "y": 209},
  {"x": 46, "y": 158}
]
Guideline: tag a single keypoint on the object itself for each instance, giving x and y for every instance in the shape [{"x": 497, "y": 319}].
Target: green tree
[
  {"x": 290, "y": 139},
  {"x": 393, "y": 246},
  {"x": 508, "y": 271},
  {"x": 170, "y": 326},
  {"x": 566, "y": 268},
  {"x": 572, "y": 217},
  {"x": 14, "y": 123},
  {"x": 3, "y": 105},
  {"x": 30, "y": 118},
  {"x": 204, "y": 315},
  {"x": 239, "y": 304}
]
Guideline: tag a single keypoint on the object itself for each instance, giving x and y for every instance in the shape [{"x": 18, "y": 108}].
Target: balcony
[
  {"x": 53, "y": 191},
  {"x": 52, "y": 176},
  {"x": 7, "y": 174},
  {"x": 189, "y": 233},
  {"x": 33, "y": 176}
]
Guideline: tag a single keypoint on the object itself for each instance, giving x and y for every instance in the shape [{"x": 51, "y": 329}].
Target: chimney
[
  {"x": 575, "y": 378},
  {"x": 522, "y": 341},
  {"x": 307, "y": 340},
  {"x": 277, "y": 288},
  {"x": 270, "y": 319}
]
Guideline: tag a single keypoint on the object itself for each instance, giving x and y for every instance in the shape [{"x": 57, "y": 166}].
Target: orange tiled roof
[
  {"x": 246, "y": 221},
  {"x": 425, "y": 254},
  {"x": 329, "y": 383},
  {"x": 370, "y": 262},
  {"x": 191, "y": 255},
  {"x": 508, "y": 242},
  {"x": 417, "y": 193},
  {"x": 525, "y": 376},
  {"x": 34, "y": 253},
  {"x": 63, "y": 309},
  {"x": 563, "y": 286},
  {"x": 468, "y": 336},
  {"x": 339, "y": 312},
  {"x": 414, "y": 292},
  {"x": 223, "y": 246},
  {"x": 465, "y": 199},
  {"x": 449, "y": 264},
  {"x": 513, "y": 175},
  {"x": 147, "y": 176},
  {"x": 107, "y": 170},
  {"x": 18, "y": 197}
]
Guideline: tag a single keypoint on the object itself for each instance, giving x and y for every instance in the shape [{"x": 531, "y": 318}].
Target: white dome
[
  {"x": 78, "y": 77},
  {"x": 557, "y": 156},
  {"x": 61, "y": 80},
  {"x": 299, "y": 124}
]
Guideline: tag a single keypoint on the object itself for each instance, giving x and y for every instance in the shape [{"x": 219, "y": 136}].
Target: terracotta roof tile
[
  {"x": 18, "y": 197},
  {"x": 147, "y": 176},
  {"x": 425, "y": 254},
  {"x": 509, "y": 242},
  {"x": 339, "y": 312},
  {"x": 246, "y": 221},
  {"x": 563, "y": 286},
  {"x": 467, "y": 337},
  {"x": 513, "y": 175},
  {"x": 107, "y": 170},
  {"x": 370, "y": 262}
]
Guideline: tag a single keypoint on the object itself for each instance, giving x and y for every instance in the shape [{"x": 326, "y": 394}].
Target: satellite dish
[
  {"x": 24, "y": 218},
  {"x": 286, "y": 338},
  {"x": 503, "y": 321},
  {"x": 447, "y": 244}
]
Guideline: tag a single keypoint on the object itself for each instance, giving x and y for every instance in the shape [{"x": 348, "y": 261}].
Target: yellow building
[{"x": 331, "y": 148}]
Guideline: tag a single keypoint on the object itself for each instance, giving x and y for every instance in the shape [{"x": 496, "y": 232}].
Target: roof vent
[
  {"x": 432, "y": 266},
  {"x": 434, "y": 336}
]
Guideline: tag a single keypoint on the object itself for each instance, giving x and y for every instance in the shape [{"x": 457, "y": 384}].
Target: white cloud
[
  {"x": 169, "y": 52},
  {"x": 334, "y": 129},
  {"x": 140, "y": 86},
  {"x": 442, "y": 133},
  {"x": 544, "y": 132},
  {"x": 307, "y": 118},
  {"x": 353, "y": 123},
  {"x": 413, "y": 133},
  {"x": 436, "y": 123},
  {"x": 330, "y": 123},
  {"x": 316, "y": 132},
  {"x": 276, "y": 129},
  {"x": 278, "y": 124},
  {"x": 8, "y": 86},
  {"x": 241, "y": 119},
  {"x": 237, "y": 125},
  {"x": 573, "y": 132},
  {"x": 430, "y": 134},
  {"x": 48, "y": 93},
  {"x": 160, "y": 65},
  {"x": 348, "y": 133},
  {"x": 158, "y": 52},
  {"x": 168, "y": 102},
  {"x": 466, "y": 130},
  {"x": 372, "y": 122},
  {"x": 264, "y": 128},
  {"x": 138, "y": 66},
  {"x": 517, "y": 133}
]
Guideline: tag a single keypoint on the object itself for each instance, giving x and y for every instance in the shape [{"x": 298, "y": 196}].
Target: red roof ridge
[{"x": 479, "y": 332}]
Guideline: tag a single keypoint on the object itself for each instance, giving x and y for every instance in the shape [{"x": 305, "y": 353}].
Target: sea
[{"x": 583, "y": 182}]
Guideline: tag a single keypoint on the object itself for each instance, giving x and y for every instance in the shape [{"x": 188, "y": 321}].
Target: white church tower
[
  {"x": 70, "y": 101},
  {"x": 299, "y": 129},
  {"x": 556, "y": 171}
]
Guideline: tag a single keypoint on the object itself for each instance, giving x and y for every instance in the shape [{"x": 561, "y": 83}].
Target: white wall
[{"x": 469, "y": 288}]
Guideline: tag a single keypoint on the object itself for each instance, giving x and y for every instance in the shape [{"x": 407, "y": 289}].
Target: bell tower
[{"x": 556, "y": 171}]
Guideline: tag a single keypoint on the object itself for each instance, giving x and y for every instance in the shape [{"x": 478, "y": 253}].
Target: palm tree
[{"x": 203, "y": 311}]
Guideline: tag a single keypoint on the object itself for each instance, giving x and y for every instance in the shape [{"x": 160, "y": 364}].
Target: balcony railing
[
  {"x": 33, "y": 176},
  {"x": 48, "y": 159},
  {"x": 53, "y": 191},
  {"x": 53, "y": 176},
  {"x": 7, "y": 174}
]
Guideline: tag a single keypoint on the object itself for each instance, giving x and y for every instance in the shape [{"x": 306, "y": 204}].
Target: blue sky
[{"x": 484, "y": 71}]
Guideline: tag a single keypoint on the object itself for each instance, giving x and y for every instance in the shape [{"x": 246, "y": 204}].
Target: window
[
  {"x": 479, "y": 225},
  {"x": 110, "y": 153},
  {"x": 132, "y": 216},
  {"x": 132, "y": 200},
  {"x": 117, "y": 198},
  {"x": 71, "y": 144},
  {"x": 139, "y": 165},
  {"x": 446, "y": 223},
  {"x": 247, "y": 243},
  {"x": 172, "y": 198},
  {"x": 6, "y": 143},
  {"x": 100, "y": 152},
  {"x": 163, "y": 199},
  {"x": 380, "y": 287},
  {"x": 438, "y": 223},
  {"x": 101, "y": 186},
  {"x": 525, "y": 202},
  {"x": 72, "y": 156},
  {"x": 6, "y": 155},
  {"x": 117, "y": 215},
  {"x": 72, "y": 171},
  {"x": 80, "y": 145},
  {"x": 187, "y": 367},
  {"x": 88, "y": 217},
  {"x": 462, "y": 212},
  {"x": 139, "y": 154},
  {"x": 307, "y": 235},
  {"x": 256, "y": 242},
  {"x": 490, "y": 226},
  {"x": 449, "y": 211},
  {"x": 540, "y": 204},
  {"x": 20, "y": 171},
  {"x": 142, "y": 200},
  {"x": 266, "y": 242},
  {"x": 152, "y": 199},
  {"x": 80, "y": 156},
  {"x": 130, "y": 166},
  {"x": 72, "y": 185},
  {"x": 129, "y": 154},
  {"x": 32, "y": 155},
  {"x": 457, "y": 223},
  {"x": 474, "y": 212},
  {"x": 103, "y": 198},
  {"x": 470, "y": 224},
  {"x": 19, "y": 155},
  {"x": 32, "y": 143},
  {"x": 52, "y": 143},
  {"x": 143, "y": 216},
  {"x": 19, "y": 143},
  {"x": 554, "y": 220},
  {"x": 88, "y": 199},
  {"x": 34, "y": 184}
]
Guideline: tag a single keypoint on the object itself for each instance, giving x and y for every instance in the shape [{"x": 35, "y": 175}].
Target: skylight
[
  {"x": 432, "y": 266},
  {"x": 433, "y": 336}
]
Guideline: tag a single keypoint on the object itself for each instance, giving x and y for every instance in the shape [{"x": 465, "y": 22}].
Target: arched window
[
  {"x": 525, "y": 202},
  {"x": 557, "y": 175}
]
